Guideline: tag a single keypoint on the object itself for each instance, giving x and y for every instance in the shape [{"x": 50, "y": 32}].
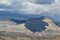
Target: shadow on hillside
[
  {"x": 18, "y": 21},
  {"x": 36, "y": 25}
]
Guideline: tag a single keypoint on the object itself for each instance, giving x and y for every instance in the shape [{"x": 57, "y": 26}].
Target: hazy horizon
[{"x": 24, "y": 9}]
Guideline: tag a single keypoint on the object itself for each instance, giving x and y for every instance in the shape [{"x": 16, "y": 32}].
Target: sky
[{"x": 30, "y": 8}]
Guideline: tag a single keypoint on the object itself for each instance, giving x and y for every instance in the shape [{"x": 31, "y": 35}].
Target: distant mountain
[
  {"x": 41, "y": 24},
  {"x": 13, "y": 15},
  {"x": 23, "y": 16},
  {"x": 11, "y": 25},
  {"x": 36, "y": 26}
]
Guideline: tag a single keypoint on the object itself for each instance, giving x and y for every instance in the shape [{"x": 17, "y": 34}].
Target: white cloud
[
  {"x": 33, "y": 8},
  {"x": 2, "y": 9},
  {"x": 28, "y": 7},
  {"x": 5, "y": 2},
  {"x": 51, "y": 10},
  {"x": 57, "y": 0}
]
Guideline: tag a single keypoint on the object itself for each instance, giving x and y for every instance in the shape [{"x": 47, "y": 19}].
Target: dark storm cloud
[
  {"x": 44, "y": 1},
  {"x": 6, "y": 7}
]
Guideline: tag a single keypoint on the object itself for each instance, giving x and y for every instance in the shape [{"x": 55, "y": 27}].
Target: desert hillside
[
  {"x": 41, "y": 24},
  {"x": 32, "y": 29}
]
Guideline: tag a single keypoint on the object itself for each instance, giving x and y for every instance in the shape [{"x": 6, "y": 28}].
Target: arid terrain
[
  {"x": 33, "y": 29},
  {"x": 26, "y": 37}
]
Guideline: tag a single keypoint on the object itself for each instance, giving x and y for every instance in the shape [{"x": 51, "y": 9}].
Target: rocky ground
[{"x": 22, "y": 36}]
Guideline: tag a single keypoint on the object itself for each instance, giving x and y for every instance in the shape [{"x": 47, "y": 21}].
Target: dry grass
[{"x": 26, "y": 37}]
